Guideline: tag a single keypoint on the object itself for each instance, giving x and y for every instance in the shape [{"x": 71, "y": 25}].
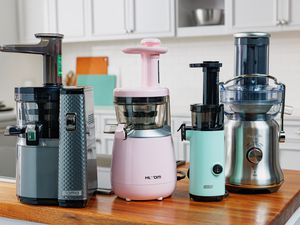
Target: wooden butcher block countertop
[{"x": 274, "y": 208}]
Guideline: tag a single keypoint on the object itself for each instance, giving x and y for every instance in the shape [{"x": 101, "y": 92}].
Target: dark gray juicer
[
  {"x": 56, "y": 154},
  {"x": 77, "y": 176},
  {"x": 38, "y": 125}
]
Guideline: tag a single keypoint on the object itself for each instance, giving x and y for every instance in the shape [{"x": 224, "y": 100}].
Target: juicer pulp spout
[
  {"x": 185, "y": 132},
  {"x": 122, "y": 131},
  {"x": 149, "y": 50}
]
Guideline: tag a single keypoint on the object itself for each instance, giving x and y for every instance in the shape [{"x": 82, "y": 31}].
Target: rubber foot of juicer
[
  {"x": 253, "y": 189},
  {"x": 159, "y": 199},
  {"x": 206, "y": 137},
  {"x": 143, "y": 159}
]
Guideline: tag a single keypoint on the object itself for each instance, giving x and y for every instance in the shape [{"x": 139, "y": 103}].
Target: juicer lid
[
  {"x": 251, "y": 35},
  {"x": 141, "y": 92},
  {"x": 252, "y": 98},
  {"x": 148, "y": 46}
]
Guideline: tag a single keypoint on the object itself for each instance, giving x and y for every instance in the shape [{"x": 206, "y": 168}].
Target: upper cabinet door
[
  {"x": 292, "y": 12},
  {"x": 108, "y": 17},
  {"x": 70, "y": 18},
  {"x": 151, "y": 16},
  {"x": 254, "y": 13},
  {"x": 33, "y": 18}
]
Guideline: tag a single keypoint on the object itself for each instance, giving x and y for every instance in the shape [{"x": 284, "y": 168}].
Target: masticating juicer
[
  {"x": 56, "y": 155},
  {"x": 38, "y": 125},
  {"x": 252, "y": 99},
  {"x": 206, "y": 137},
  {"x": 143, "y": 164}
]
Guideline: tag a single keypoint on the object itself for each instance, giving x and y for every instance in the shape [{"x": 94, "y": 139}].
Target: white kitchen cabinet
[
  {"x": 153, "y": 16},
  {"x": 290, "y": 17},
  {"x": 267, "y": 15},
  {"x": 70, "y": 16},
  {"x": 119, "y": 19},
  {"x": 104, "y": 116},
  {"x": 34, "y": 17},
  {"x": 108, "y": 17},
  {"x": 92, "y": 20},
  {"x": 290, "y": 150},
  {"x": 254, "y": 14}
]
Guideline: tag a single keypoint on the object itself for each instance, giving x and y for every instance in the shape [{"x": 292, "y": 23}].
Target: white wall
[
  {"x": 15, "y": 69},
  {"x": 186, "y": 84}
]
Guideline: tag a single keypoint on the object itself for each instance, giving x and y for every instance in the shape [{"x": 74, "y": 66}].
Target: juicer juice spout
[
  {"x": 149, "y": 50},
  {"x": 50, "y": 48}
]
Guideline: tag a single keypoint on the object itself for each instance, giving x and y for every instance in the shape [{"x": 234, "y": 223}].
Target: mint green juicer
[{"x": 206, "y": 137}]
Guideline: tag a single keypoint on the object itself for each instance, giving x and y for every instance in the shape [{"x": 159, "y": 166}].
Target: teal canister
[{"x": 206, "y": 137}]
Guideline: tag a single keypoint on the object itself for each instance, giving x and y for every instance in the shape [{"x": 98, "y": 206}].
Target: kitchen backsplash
[{"x": 185, "y": 83}]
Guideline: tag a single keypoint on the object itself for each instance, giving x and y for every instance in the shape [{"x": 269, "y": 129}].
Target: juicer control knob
[
  {"x": 217, "y": 169},
  {"x": 254, "y": 155}
]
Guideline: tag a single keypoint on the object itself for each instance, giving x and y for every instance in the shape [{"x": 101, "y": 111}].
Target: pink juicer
[{"x": 143, "y": 160}]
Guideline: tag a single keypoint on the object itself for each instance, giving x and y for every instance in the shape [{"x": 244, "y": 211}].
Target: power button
[
  {"x": 217, "y": 169},
  {"x": 70, "y": 121}
]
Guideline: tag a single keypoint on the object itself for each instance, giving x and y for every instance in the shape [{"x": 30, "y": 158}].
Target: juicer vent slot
[{"x": 91, "y": 119}]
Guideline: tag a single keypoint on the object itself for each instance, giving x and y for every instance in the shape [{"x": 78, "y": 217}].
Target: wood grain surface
[{"x": 273, "y": 208}]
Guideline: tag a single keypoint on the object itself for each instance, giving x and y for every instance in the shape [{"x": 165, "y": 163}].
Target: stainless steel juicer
[{"x": 252, "y": 99}]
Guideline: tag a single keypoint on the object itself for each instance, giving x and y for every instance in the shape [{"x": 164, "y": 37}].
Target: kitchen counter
[{"x": 274, "y": 208}]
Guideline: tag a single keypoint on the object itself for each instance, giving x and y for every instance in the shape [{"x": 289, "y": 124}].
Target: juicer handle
[
  {"x": 50, "y": 48},
  {"x": 282, "y": 132},
  {"x": 249, "y": 76}
]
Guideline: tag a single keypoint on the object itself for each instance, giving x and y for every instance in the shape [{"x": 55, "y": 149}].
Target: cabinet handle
[
  {"x": 284, "y": 22},
  {"x": 98, "y": 140},
  {"x": 125, "y": 16}
]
